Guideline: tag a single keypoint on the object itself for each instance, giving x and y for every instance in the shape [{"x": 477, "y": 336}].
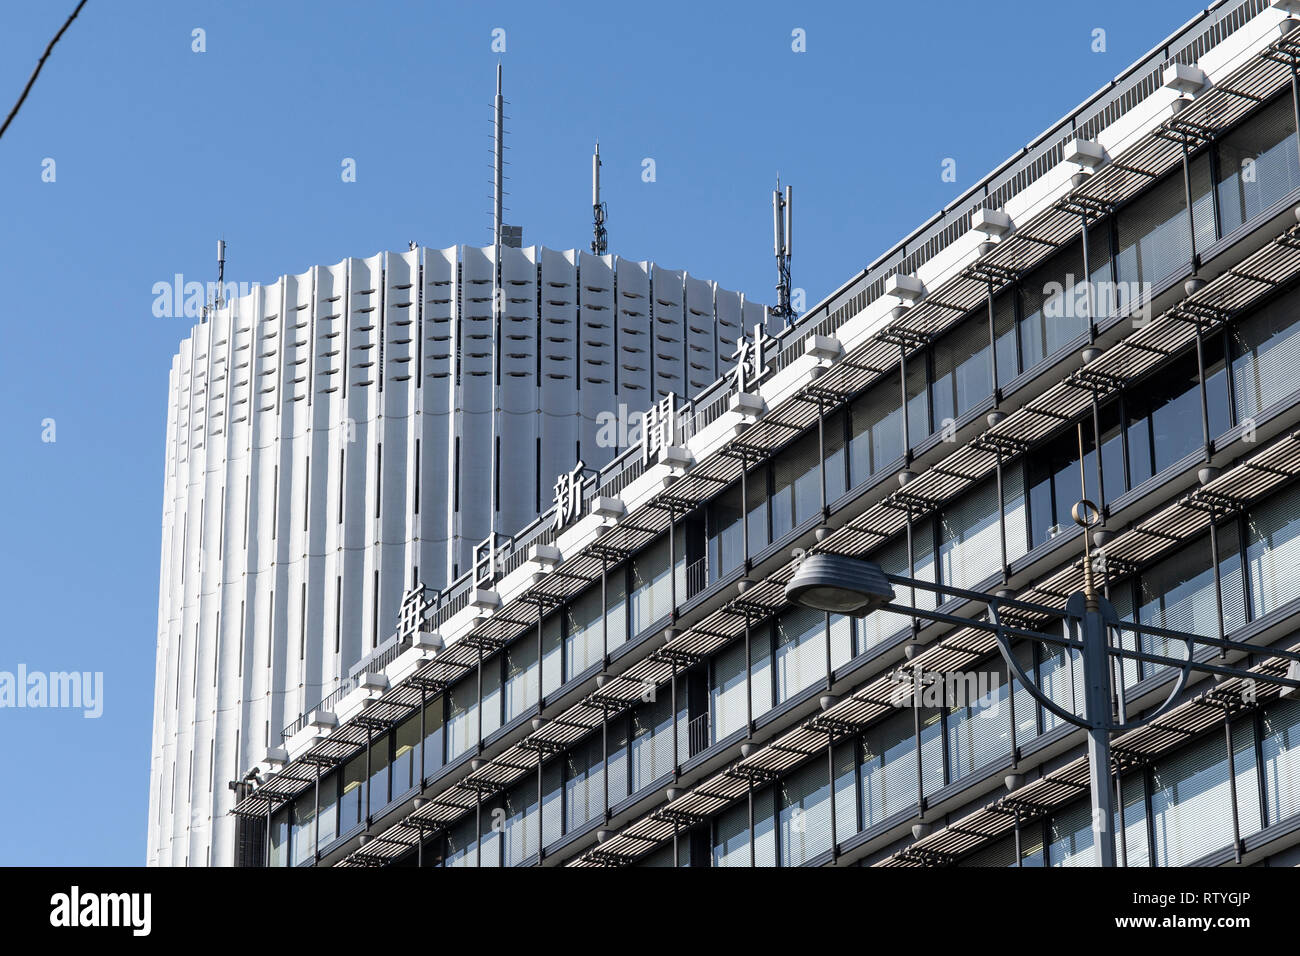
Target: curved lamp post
[{"x": 844, "y": 585}]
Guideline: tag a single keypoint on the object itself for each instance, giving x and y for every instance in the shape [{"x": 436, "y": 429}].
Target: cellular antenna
[
  {"x": 221, "y": 272},
  {"x": 783, "y": 247},
  {"x": 217, "y": 300},
  {"x": 600, "y": 239}
]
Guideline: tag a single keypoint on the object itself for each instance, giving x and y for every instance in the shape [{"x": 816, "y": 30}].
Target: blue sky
[{"x": 160, "y": 150}]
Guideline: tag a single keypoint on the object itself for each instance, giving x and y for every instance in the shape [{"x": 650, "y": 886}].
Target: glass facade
[{"x": 1133, "y": 439}]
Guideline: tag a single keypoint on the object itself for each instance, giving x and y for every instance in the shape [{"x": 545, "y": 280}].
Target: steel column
[
  {"x": 1206, "y": 440},
  {"x": 1096, "y": 668},
  {"x": 1232, "y": 785}
]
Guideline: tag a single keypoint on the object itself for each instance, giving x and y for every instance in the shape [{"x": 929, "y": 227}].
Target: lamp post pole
[
  {"x": 1097, "y": 690},
  {"x": 1096, "y": 672},
  {"x": 843, "y": 584}
]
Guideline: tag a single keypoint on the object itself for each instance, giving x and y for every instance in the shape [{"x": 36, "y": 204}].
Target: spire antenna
[
  {"x": 498, "y": 144},
  {"x": 498, "y": 147},
  {"x": 216, "y": 299},
  {"x": 783, "y": 246},
  {"x": 221, "y": 272},
  {"x": 600, "y": 238}
]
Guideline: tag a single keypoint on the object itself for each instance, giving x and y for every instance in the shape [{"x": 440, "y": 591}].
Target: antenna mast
[
  {"x": 210, "y": 307},
  {"x": 783, "y": 246},
  {"x": 498, "y": 147},
  {"x": 600, "y": 239},
  {"x": 221, "y": 271}
]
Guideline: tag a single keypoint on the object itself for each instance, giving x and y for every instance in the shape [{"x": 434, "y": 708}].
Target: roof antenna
[
  {"x": 217, "y": 300},
  {"x": 502, "y": 235},
  {"x": 783, "y": 246},
  {"x": 221, "y": 272},
  {"x": 600, "y": 239},
  {"x": 498, "y": 146}
]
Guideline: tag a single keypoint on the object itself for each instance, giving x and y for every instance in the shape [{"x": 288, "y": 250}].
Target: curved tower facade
[{"x": 328, "y": 444}]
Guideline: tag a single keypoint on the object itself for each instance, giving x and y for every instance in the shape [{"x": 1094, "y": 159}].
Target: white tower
[{"x": 329, "y": 441}]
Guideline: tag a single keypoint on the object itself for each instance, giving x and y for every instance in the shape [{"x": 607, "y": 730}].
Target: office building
[{"x": 1113, "y": 313}]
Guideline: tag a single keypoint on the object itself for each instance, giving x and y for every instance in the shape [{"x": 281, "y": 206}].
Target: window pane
[
  {"x": 876, "y": 425},
  {"x": 800, "y": 657},
  {"x": 1060, "y": 676},
  {"x": 379, "y": 794},
  {"x": 652, "y": 742},
  {"x": 918, "y": 406},
  {"x": 1273, "y": 552},
  {"x": 1265, "y": 357},
  {"x": 304, "y": 827},
  {"x": 979, "y": 725},
  {"x": 761, "y": 668},
  {"x": 1004, "y": 322},
  {"x": 280, "y": 839},
  {"x": 617, "y": 768},
  {"x": 756, "y": 500},
  {"x": 520, "y": 832},
  {"x": 882, "y": 625},
  {"x": 805, "y": 461},
  {"x": 726, "y": 534},
  {"x": 1134, "y": 850},
  {"x": 491, "y": 696},
  {"x": 836, "y": 458},
  {"x": 1178, "y": 593},
  {"x": 521, "y": 676},
  {"x": 462, "y": 717},
  {"x": 841, "y": 640},
  {"x": 1069, "y": 837},
  {"x": 805, "y": 816},
  {"x": 1257, "y": 164},
  {"x": 584, "y": 785},
  {"x": 406, "y": 763},
  {"x": 462, "y": 845},
  {"x": 552, "y": 653},
  {"x": 970, "y": 538},
  {"x": 731, "y": 833},
  {"x": 1154, "y": 241},
  {"x": 584, "y": 643},
  {"x": 888, "y": 772},
  {"x": 650, "y": 597},
  {"x": 616, "y": 629},
  {"x": 1281, "y": 749},
  {"x": 1052, "y": 311},
  {"x": 1175, "y": 409},
  {"x": 1191, "y": 811},
  {"x": 328, "y": 821},
  {"x": 727, "y": 691},
  {"x": 552, "y": 802},
  {"x": 796, "y": 485},
  {"x": 963, "y": 370},
  {"x": 354, "y": 781},
  {"x": 433, "y": 736}
]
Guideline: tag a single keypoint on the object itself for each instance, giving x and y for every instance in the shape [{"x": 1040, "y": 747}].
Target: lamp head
[{"x": 839, "y": 584}]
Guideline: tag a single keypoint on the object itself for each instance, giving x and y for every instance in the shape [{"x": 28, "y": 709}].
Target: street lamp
[
  {"x": 845, "y": 585},
  {"x": 839, "y": 584}
]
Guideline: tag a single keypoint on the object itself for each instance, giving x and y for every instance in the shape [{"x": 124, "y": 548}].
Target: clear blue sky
[{"x": 159, "y": 150}]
